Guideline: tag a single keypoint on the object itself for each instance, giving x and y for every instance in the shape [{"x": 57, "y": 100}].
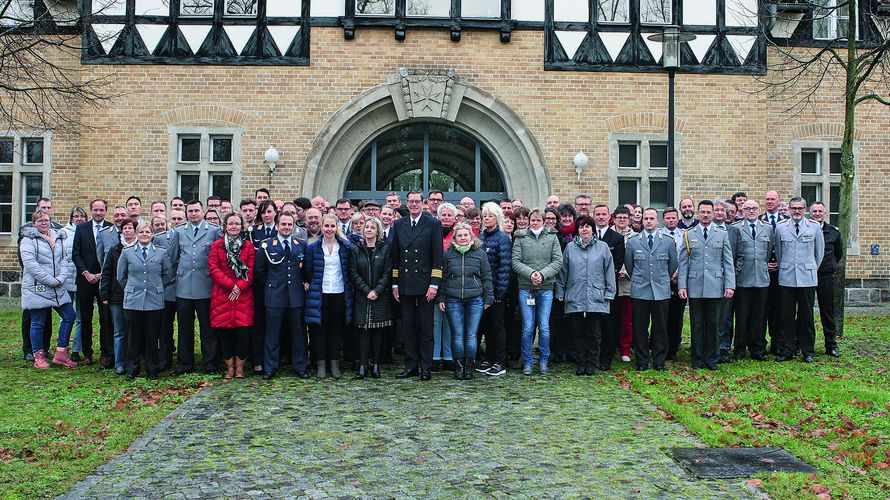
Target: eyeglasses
[
  {"x": 796, "y": 208},
  {"x": 582, "y": 204},
  {"x": 436, "y": 199},
  {"x": 750, "y": 209},
  {"x": 416, "y": 202},
  {"x": 233, "y": 223}
]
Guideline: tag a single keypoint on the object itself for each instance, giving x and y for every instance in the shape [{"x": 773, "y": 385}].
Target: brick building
[{"x": 486, "y": 98}]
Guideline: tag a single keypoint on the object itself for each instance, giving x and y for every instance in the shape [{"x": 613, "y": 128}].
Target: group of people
[{"x": 274, "y": 283}]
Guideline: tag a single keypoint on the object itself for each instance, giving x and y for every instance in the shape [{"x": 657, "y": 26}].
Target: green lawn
[{"x": 59, "y": 425}]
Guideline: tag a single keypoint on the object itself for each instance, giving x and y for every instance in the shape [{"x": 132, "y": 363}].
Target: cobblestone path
[{"x": 559, "y": 436}]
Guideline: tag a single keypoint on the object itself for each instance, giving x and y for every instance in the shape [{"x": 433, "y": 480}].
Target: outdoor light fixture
[
  {"x": 271, "y": 157},
  {"x": 671, "y": 37},
  {"x": 580, "y": 162}
]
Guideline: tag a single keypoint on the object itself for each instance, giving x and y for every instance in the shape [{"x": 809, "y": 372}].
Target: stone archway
[{"x": 428, "y": 95}]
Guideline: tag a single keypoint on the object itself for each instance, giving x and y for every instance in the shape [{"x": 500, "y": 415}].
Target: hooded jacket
[{"x": 45, "y": 270}]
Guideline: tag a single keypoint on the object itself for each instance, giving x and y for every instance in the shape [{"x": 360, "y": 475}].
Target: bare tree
[
  {"x": 42, "y": 84},
  {"x": 375, "y": 7},
  {"x": 863, "y": 69}
]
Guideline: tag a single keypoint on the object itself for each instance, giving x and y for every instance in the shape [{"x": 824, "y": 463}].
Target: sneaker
[
  {"x": 527, "y": 370},
  {"x": 483, "y": 367},
  {"x": 544, "y": 369},
  {"x": 626, "y": 359},
  {"x": 495, "y": 370}
]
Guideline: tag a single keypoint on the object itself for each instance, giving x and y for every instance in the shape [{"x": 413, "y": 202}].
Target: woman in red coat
[{"x": 231, "y": 299}]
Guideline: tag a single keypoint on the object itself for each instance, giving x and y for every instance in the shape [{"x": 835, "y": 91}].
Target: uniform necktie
[
  {"x": 706, "y": 234},
  {"x": 650, "y": 242},
  {"x": 268, "y": 232},
  {"x": 287, "y": 249},
  {"x": 196, "y": 232},
  {"x": 797, "y": 228},
  {"x": 144, "y": 253},
  {"x": 753, "y": 234},
  {"x": 772, "y": 220},
  {"x": 672, "y": 233}
]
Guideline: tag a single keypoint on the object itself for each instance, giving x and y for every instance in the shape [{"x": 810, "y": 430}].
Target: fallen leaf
[{"x": 755, "y": 482}]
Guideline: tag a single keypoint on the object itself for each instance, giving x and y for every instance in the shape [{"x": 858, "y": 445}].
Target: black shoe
[
  {"x": 182, "y": 372},
  {"x": 483, "y": 367},
  {"x": 375, "y": 371},
  {"x": 303, "y": 375},
  {"x": 152, "y": 376},
  {"x": 783, "y": 358},
  {"x": 407, "y": 373},
  {"x": 362, "y": 372},
  {"x": 713, "y": 368},
  {"x": 469, "y": 368},
  {"x": 75, "y": 356},
  {"x": 756, "y": 356},
  {"x": 437, "y": 366},
  {"x": 739, "y": 356},
  {"x": 581, "y": 370},
  {"x": 425, "y": 375},
  {"x": 808, "y": 359},
  {"x": 659, "y": 368},
  {"x": 29, "y": 357},
  {"x": 268, "y": 375},
  {"x": 605, "y": 368},
  {"x": 130, "y": 377},
  {"x": 833, "y": 353},
  {"x": 458, "y": 370},
  {"x": 642, "y": 368}
]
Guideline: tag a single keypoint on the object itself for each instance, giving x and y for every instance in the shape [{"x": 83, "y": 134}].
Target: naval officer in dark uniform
[{"x": 417, "y": 270}]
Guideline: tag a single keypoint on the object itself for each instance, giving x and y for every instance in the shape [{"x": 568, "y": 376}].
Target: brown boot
[
  {"x": 61, "y": 358},
  {"x": 230, "y": 368},
  {"x": 239, "y": 367},
  {"x": 40, "y": 360}
]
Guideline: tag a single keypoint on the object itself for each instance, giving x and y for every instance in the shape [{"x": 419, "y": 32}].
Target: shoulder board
[{"x": 106, "y": 228}]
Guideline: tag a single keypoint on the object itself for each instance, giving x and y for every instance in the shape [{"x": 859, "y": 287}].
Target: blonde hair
[
  {"x": 494, "y": 209},
  {"x": 143, "y": 225},
  {"x": 40, "y": 213}
]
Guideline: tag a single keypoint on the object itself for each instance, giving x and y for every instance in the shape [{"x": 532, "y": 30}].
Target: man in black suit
[
  {"x": 615, "y": 240},
  {"x": 89, "y": 270},
  {"x": 417, "y": 270},
  {"x": 772, "y": 199},
  {"x": 834, "y": 252}
]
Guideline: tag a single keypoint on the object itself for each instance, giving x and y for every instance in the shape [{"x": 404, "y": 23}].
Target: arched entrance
[
  {"x": 424, "y": 156},
  {"x": 415, "y": 102}
]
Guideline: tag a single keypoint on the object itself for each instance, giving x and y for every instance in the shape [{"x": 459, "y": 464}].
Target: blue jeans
[
  {"x": 441, "y": 336},
  {"x": 120, "y": 332},
  {"x": 464, "y": 316},
  {"x": 536, "y": 315},
  {"x": 39, "y": 317},
  {"x": 76, "y": 343}
]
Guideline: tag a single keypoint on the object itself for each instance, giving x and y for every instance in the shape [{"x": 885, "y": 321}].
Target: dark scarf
[{"x": 233, "y": 254}]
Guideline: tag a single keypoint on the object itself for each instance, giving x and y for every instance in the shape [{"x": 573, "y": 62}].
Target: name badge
[{"x": 530, "y": 301}]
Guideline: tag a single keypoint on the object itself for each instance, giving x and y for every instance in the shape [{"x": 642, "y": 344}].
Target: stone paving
[{"x": 514, "y": 436}]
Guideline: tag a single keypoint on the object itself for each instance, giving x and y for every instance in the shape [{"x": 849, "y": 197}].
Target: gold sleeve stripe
[
  {"x": 395, "y": 273},
  {"x": 436, "y": 273}
]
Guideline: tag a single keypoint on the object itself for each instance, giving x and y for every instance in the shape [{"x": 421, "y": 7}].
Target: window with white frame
[
  {"x": 24, "y": 177},
  {"x": 638, "y": 170},
  {"x": 205, "y": 161},
  {"x": 817, "y": 177},
  {"x": 830, "y": 18}
]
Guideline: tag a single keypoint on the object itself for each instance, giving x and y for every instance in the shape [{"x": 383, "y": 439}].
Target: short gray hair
[
  {"x": 722, "y": 203},
  {"x": 446, "y": 206}
]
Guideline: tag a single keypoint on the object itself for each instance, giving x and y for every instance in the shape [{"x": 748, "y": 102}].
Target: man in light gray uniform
[
  {"x": 189, "y": 251},
  {"x": 754, "y": 248},
  {"x": 706, "y": 277},
  {"x": 650, "y": 260},
  {"x": 799, "y": 248},
  {"x": 724, "y": 322}
]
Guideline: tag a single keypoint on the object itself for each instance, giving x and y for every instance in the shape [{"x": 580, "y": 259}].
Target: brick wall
[{"x": 731, "y": 140}]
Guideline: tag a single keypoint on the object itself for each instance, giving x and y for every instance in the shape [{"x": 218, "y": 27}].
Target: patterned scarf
[{"x": 233, "y": 254}]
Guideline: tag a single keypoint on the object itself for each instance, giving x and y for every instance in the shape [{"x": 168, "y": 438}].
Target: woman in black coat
[{"x": 370, "y": 270}]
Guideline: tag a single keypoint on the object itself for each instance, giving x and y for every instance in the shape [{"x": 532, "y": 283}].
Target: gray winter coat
[
  {"x": 530, "y": 254},
  {"x": 466, "y": 275},
  {"x": 45, "y": 270},
  {"x": 70, "y": 284},
  {"x": 586, "y": 280}
]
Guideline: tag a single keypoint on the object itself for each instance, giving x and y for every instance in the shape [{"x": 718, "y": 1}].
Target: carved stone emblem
[{"x": 426, "y": 93}]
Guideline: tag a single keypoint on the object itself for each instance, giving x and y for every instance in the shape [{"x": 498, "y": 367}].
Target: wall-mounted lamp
[
  {"x": 580, "y": 162},
  {"x": 271, "y": 157}
]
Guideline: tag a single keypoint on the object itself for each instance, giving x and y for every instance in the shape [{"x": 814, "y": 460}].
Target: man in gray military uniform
[
  {"x": 650, "y": 260},
  {"x": 754, "y": 247},
  {"x": 706, "y": 277},
  {"x": 800, "y": 247},
  {"x": 189, "y": 251},
  {"x": 724, "y": 322}
]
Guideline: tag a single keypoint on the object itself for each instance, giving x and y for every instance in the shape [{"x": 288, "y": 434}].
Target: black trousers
[
  {"x": 26, "y": 332},
  {"x": 774, "y": 313},
  {"x": 676, "y": 308},
  {"x": 495, "y": 333},
  {"x": 234, "y": 342},
  {"x": 561, "y": 333},
  {"x": 258, "y": 339},
  {"x": 290, "y": 321},
  {"x": 750, "y": 306},
  {"x": 143, "y": 336},
  {"x": 327, "y": 337},
  {"x": 513, "y": 328},
  {"x": 703, "y": 317},
  {"x": 186, "y": 310},
  {"x": 650, "y": 344},
  {"x": 611, "y": 326},
  {"x": 389, "y": 338},
  {"x": 87, "y": 295},
  {"x": 798, "y": 327},
  {"x": 587, "y": 330},
  {"x": 825, "y": 294},
  {"x": 167, "y": 342},
  {"x": 370, "y": 343},
  {"x": 417, "y": 313}
]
